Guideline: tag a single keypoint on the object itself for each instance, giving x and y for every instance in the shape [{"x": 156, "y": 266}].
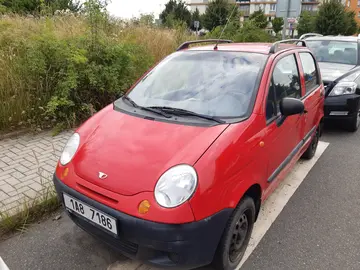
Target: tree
[
  {"x": 218, "y": 12},
  {"x": 248, "y": 32},
  {"x": 196, "y": 17},
  {"x": 147, "y": 19},
  {"x": 306, "y": 23},
  {"x": 333, "y": 19},
  {"x": 34, "y": 6},
  {"x": 175, "y": 10},
  {"x": 64, "y": 4},
  {"x": 351, "y": 24},
  {"x": 277, "y": 24},
  {"x": 259, "y": 19},
  {"x": 144, "y": 19}
]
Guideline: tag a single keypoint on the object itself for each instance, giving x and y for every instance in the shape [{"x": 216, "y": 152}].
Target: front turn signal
[{"x": 144, "y": 207}]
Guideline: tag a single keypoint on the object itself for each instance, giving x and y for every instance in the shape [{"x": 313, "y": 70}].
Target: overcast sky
[{"x": 130, "y": 8}]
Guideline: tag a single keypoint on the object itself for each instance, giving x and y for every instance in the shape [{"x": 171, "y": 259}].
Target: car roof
[
  {"x": 335, "y": 38},
  {"x": 263, "y": 48}
]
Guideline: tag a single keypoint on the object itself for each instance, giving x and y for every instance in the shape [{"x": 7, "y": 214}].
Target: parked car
[
  {"x": 307, "y": 35},
  {"x": 339, "y": 61},
  {"x": 174, "y": 172}
]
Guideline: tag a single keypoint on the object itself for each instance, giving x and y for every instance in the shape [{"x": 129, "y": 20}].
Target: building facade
[{"x": 355, "y": 6}]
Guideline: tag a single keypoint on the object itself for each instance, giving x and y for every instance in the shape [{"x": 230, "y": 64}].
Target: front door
[{"x": 281, "y": 140}]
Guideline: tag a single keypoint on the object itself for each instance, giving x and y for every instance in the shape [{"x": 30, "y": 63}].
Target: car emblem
[{"x": 102, "y": 175}]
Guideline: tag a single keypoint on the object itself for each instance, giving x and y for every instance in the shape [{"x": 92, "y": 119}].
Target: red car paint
[{"x": 229, "y": 158}]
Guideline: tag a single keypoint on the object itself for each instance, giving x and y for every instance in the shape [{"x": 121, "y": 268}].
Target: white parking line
[
  {"x": 279, "y": 198},
  {"x": 3, "y": 266}
]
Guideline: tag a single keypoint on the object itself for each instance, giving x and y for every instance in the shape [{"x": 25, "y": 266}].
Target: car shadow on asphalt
[{"x": 336, "y": 130}]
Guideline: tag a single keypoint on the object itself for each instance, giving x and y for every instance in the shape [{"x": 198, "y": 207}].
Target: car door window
[
  {"x": 285, "y": 82},
  {"x": 271, "y": 110},
  {"x": 310, "y": 71}
]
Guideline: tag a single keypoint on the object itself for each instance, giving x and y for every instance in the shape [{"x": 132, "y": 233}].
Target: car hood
[
  {"x": 134, "y": 152},
  {"x": 332, "y": 71}
]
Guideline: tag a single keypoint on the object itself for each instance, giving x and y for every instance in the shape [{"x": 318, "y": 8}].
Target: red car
[{"x": 174, "y": 172}]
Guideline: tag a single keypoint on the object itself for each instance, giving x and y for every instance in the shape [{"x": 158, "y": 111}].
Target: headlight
[
  {"x": 176, "y": 186},
  {"x": 70, "y": 149},
  {"x": 343, "y": 88}
]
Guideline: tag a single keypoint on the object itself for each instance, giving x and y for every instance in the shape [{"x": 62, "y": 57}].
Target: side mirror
[
  {"x": 291, "y": 106},
  {"x": 288, "y": 107}
]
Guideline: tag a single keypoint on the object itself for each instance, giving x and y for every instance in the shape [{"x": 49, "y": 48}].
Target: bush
[
  {"x": 248, "y": 32},
  {"x": 54, "y": 72}
]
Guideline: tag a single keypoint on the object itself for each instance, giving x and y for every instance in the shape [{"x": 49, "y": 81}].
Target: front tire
[
  {"x": 236, "y": 236},
  {"x": 353, "y": 124},
  {"x": 311, "y": 150}
]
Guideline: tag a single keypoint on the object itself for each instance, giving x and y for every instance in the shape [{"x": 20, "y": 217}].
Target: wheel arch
[{"x": 255, "y": 193}]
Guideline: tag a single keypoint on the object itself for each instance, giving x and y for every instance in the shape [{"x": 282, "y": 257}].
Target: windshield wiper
[
  {"x": 131, "y": 101},
  {"x": 177, "y": 111},
  {"x": 149, "y": 109}
]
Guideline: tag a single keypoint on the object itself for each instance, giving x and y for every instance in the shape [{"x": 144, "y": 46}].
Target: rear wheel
[
  {"x": 236, "y": 236},
  {"x": 311, "y": 150}
]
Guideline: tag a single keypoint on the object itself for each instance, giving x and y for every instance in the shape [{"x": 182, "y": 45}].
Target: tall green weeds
[{"x": 57, "y": 71}]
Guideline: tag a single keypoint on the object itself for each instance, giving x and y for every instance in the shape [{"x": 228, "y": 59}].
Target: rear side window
[
  {"x": 310, "y": 72},
  {"x": 284, "y": 83}
]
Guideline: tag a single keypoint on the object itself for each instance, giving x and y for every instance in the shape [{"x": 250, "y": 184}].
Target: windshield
[
  {"x": 213, "y": 83},
  {"x": 342, "y": 52}
]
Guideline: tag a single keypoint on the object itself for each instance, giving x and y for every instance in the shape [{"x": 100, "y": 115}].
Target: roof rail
[
  {"x": 310, "y": 35},
  {"x": 275, "y": 45},
  {"x": 186, "y": 44}
]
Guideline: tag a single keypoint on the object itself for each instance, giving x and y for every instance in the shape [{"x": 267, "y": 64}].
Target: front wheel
[
  {"x": 236, "y": 236},
  {"x": 311, "y": 150},
  {"x": 353, "y": 124}
]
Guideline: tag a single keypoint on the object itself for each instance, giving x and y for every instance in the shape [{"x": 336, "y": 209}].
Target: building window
[
  {"x": 272, "y": 7},
  {"x": 244, "y": 10},
  {"x": 307, "y": 7}
]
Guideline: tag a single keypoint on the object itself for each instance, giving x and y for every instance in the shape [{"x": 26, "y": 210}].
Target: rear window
[
  {"x": 213, "y": 83},
  {"x": 333, "y": 51}
]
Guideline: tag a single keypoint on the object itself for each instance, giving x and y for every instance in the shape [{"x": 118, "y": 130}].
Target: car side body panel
[{"x": 229, "y": 167}]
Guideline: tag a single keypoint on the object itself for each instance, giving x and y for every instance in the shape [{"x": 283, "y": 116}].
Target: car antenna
[{"x": 222, "y": 32}]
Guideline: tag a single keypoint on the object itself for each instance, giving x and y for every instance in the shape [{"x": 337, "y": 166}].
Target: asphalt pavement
[{"x": 317, "y": 229}]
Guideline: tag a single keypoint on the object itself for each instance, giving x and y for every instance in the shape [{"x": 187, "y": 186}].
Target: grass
[
  {"x": 28, "y": 213},
  {"x": 15, "y": 96},
  {"x": 33, "y": 69}
]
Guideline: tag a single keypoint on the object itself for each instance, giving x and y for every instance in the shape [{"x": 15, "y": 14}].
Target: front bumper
[
  {"x": 187, "y": 246},
  {"x": 342, "y": 107}
]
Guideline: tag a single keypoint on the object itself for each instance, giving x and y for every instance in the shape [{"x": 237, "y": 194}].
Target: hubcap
[
  {"x": 357, "y": 119},
  {"x": 238, "y": 238}
]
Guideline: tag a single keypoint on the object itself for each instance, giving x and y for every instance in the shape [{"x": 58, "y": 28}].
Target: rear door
[{"x": 313, "y": 94}]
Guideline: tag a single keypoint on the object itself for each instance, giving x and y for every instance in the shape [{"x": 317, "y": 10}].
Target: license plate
[
  {"x": 90, "y": 213},
  {"x": 338, "y": 113}
]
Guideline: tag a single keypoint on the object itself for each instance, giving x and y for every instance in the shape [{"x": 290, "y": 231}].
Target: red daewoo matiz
[{"x": 174, "y": 172}]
